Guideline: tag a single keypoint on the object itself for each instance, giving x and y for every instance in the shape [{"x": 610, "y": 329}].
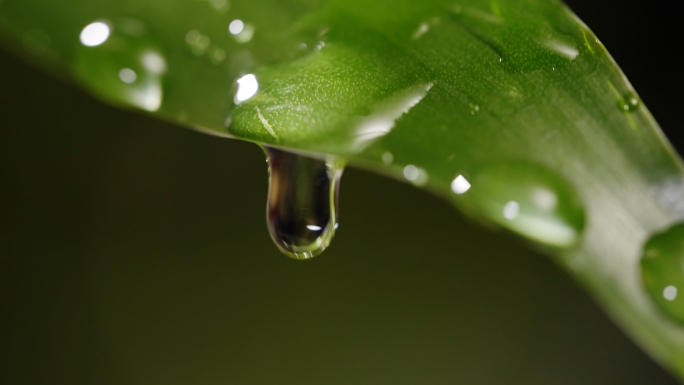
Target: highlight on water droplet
[
  {"x": 525, "y": 198},
  {"x": 95, "y": 34},
  {"x": 629, "y": 102},
  {"x": 387, "y": 157},
  {"x": 241, "y": 31},
  {"x": 236, "y": 26},
  {"x": 302, "y": 202},
  {"x": 511, "y": 210},
  {"x": 415, "y": 175},
  {"x": 247, "y": 87},
  {"x": 662, "y": 270},
  {"x": 127, "y": 75},
  {"x": 670, "y": 293},
  {"x": 423, "y": 28},
  {"x": 460, "y": 185}
]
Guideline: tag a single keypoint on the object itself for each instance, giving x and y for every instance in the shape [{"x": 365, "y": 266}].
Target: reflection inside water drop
[
  {"x": 302, "y": 202},
  {"x": 662, "y": 270}
]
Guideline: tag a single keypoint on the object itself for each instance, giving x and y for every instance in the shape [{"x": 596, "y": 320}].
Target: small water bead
[
  {"x": 629, "y": 102},
  {"x": 415, "y": 175},
  {"x": 95, "y": 34},
  {"x": 247, "y": 87},
  {"x": 662, "y": 270},
  {"x": 460, "y": 185},
  {"x": 302, "y": 202},
  {"x": 236, "y": 26},
  {"x": 127, "y": 75},
  {"x": 527, "y": 199},
  {"x": 119, "y": 63},
  {"x": 241, "y": 31}
]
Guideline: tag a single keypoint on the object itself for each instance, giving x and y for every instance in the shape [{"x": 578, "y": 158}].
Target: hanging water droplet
[
  {"x": 662, "y": 270},
  {"x": 121, "y": 64},
  {"x": 527, "y": 199},
  {"x": 629, "y": 102},
  {"x": 302, "y": 202}
]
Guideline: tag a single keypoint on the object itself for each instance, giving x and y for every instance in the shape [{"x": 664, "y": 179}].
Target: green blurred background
[{"x": 136, "y": 252}]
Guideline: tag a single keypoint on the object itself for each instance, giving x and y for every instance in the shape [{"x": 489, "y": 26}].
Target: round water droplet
[
  {"x": 662, "y": 270},
  {"x": 120, "y": 64},
  {"x": 527, "y": 199},
  {"x": 415, "y": 175},
  {"x": 302, "y": 202},
  {"x": 629, "y": 102}
]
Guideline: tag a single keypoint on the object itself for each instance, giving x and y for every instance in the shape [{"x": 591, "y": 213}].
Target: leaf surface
[{"x": 510, "y": 109}]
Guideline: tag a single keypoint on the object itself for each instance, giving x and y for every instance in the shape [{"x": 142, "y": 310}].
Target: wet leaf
[{"x": 512, "y": 110}]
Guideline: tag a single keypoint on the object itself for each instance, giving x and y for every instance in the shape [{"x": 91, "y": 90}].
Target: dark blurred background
[{"x": 136, "y": 252}]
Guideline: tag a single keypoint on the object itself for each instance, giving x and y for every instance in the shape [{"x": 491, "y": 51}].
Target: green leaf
[{"x": 512, "y": 110}]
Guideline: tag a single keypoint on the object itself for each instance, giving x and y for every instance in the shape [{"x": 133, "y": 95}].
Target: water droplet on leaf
[
  {"x": 415, "y": 175},
  {"x": 121, "y": 64},
  {"x": 662, "y": 270},
  {"x": 527, "y": 199},
  {"x": 629, "y": 102},
  {"x": 302, "y": 202}
]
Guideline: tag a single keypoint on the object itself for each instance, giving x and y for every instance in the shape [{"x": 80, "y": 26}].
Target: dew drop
[
  {"x": 236, "y": 26},
  {"x": 95, "y": 34},
  {"x": 415, "y": 175},
  {"x": 120, "y": 64},
  {"x": 460, "y": 185},
  {"x": 302, "y": 202},
  {"x": 662, "y": 270},
  {"x": 241, "y": 31},
  {"x": 527, "y": 199},
  {"x": 629, "y": 102},
  {"x": 127, "y": 75}
]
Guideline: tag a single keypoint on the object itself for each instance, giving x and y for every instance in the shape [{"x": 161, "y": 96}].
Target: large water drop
[
  {"x": 662, "y": 270},
  {"x": 302, "y": 202},
  {"x": 527, "y": 199}
]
